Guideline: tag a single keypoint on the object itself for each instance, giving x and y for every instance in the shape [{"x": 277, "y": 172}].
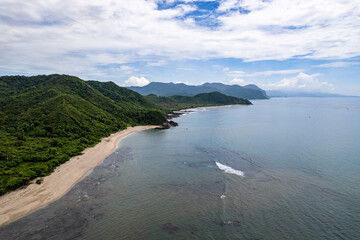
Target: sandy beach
[{"x": 23, "y": 201}]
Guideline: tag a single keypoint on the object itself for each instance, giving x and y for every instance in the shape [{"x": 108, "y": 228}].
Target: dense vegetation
[
  {"x": 44, "y": 120},
  {"x": 204, "y": 99}
]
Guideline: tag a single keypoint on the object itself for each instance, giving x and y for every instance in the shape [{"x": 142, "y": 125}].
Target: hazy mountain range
[{"x": 169, "y": 89}]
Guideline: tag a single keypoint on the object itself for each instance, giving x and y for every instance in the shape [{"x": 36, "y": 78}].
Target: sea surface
[{"x": 284, "y": 168}]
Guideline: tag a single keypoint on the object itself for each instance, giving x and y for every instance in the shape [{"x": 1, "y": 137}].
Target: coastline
[
  {"x": 219, "y": 106},
  {"x": 178, "y": 113},
  {"x": 23, "y": 201}
]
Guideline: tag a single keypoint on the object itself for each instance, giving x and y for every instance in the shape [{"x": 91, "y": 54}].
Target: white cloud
[
  {"x": 249, "y": 5},
  {"x": 227, "y": 5},
  {"x": 238, "y": 81},
  {"x": 74, "y": 36},
  {"x": 302, "y": 82},
  {"x": 239, "y": 73},
  {"x": 184, "y": 69},
  {"x": 136, "y": 81},
  {"x": 186, "y": 82},
  {"x": 216, "y": 66},
  {"x": 127, "y": 69},
  {"x": 156, "y": 64},
  {"x": 253, "y": 5},
  {"x": 186, "y": 1},
  {"x": 337, "y": 64}
]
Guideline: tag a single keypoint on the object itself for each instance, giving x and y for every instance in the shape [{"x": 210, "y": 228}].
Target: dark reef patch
[
  {"x": 67, "y": 217},
  {"x": 169, "y": 228}
]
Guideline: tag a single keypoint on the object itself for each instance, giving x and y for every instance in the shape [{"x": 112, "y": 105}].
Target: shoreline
[
  {"x": 220, "y": 106},
  {"x": 25, "y": 200},
  {"x": 178, "y": 113}
]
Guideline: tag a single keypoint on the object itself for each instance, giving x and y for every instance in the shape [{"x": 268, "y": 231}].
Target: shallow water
[{"x": 300, "y": 159}]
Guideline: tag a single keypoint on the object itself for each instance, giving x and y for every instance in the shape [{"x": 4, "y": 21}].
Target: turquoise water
[{"x": 300, "y": 161}]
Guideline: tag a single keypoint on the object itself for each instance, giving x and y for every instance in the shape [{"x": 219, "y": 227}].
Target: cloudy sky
[{"x": 311, "y": 45}]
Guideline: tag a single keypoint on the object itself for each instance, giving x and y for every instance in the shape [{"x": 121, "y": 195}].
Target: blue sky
[{"x": 276, "y": 44}]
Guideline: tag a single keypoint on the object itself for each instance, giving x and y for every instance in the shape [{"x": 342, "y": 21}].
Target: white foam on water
[{"x": 228, "y": 169}]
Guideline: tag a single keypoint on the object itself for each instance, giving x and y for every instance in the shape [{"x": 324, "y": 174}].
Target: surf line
[{"x": 230, "y": 170}]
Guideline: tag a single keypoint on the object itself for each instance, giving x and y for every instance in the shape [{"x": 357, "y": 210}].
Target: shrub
[{"x": 39, "y": 181}]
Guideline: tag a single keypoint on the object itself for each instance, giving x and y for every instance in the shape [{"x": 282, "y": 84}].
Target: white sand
[{"x": 23, "y": 201}]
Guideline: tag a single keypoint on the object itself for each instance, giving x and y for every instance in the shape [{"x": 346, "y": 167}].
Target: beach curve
[{"x": 23, "y": 201}]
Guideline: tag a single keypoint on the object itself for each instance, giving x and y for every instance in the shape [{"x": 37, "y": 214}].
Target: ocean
[{"x": 284, "y": 168}]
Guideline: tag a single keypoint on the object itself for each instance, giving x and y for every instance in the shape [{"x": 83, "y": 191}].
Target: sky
[{"x": 291, "y": 45}]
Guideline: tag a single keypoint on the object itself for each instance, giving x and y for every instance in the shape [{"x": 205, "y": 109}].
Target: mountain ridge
[{"x": 169, "y": 89}]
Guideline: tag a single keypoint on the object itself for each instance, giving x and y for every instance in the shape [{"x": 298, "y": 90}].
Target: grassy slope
[{"x": 44, "y": 120}]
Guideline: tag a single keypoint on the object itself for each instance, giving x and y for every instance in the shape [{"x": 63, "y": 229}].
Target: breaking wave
[{"x": 228, "y": 169}]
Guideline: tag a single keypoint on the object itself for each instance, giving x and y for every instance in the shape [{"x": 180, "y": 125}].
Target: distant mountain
[
  {"x": 177, "y": 102},
  {"x": 170, "y": 89},
  {"x": 277, "y": 93}
]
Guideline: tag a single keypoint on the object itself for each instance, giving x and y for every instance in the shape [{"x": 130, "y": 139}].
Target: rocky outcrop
[
  {"x": 174, "y": 115},
  {"x": 167, "y": 125}
]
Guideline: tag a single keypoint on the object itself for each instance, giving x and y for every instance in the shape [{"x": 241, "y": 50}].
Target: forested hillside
[
  {"x": 201, "y": 100},
  {"x": 46, "y": 119}
]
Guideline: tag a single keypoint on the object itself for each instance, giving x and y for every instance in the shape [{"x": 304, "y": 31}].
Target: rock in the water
[
  {"x": 169, "y": 228},
  {"x": 167, "y": 125},
  {"x": 174, "y": 124},
  {"x": 193, "y": 229}
]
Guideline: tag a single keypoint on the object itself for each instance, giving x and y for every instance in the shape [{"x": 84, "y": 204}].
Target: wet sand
[{"x": 23, "y": 201}]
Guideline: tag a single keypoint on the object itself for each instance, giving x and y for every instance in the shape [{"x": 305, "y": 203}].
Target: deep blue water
[{"x": 300, "y": 160}]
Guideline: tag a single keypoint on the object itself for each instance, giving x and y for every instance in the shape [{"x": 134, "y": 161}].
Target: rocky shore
[{"x": 169, "y": 123}]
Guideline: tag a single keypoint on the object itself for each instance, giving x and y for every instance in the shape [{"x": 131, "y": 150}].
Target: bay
[{"x": 284, "y": 168}]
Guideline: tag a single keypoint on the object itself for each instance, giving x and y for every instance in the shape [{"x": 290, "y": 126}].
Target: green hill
[
  {"x": 44, "y": 120},
  {"x": 177, "y": 102}
]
